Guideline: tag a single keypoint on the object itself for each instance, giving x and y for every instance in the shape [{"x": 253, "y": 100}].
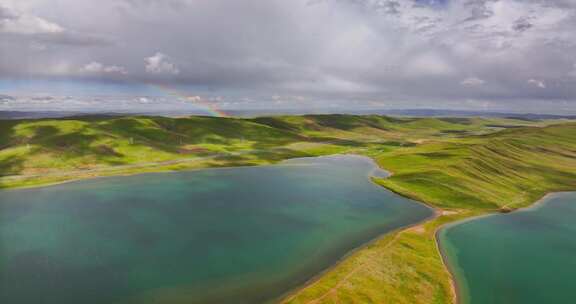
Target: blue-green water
[
  {"x": 525, "y": 257},
  {"x": 239, "y": 235}
]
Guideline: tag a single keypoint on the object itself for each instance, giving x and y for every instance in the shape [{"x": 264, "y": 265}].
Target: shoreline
[
  {"x": 375, "y": 172},
  {"x": 443, "y": 251},
  {"x": 159, "y": 170},
  {"x": 456, "y": 296},
  {"x": 166, "y": 169},
  {"x": 436, "y": 213},
  {"x": 289, "y": 295},
  {"x": 453, "y": 282}
]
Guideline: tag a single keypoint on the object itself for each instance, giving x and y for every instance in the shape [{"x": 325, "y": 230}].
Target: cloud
[
  {"x": 98, "y": 68},
  {"x": 572, "y": 73},
  {"x": 174, "y": 4},
  {"x": 7, "y": 14},
  {"x": 24, "y": 26},
  {"x": 160, "y": 64},
  {"x": 522, "y": 24},
  {"x": 6, "y": 98},
  {"x": 390, "y": 7},
  {"x": 479, "y": 9},
  {"x": 15, "y": 22},
  {"x": 429, "y": 64},
  {"x": 539, "y": 83},
  {"x": 401, "y": 52},
  {"x": 144, "y": 100},
  {"x": 75, "y": 39},
  {"x": 472, "y": 82}
]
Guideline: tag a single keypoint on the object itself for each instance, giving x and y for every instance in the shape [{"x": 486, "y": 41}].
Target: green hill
[
  {"x": 52, "y": 150},
  {"x": 461, "y": 166},
  {"x": 508, "y": 169},
  {"x": 463, "y": 177}
]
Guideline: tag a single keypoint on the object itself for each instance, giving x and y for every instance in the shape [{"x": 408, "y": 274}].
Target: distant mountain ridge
[
  {"x": 270, "y": 112},
  {"x": 465, "y": 113},
  {"x": 34, "y": 115}
]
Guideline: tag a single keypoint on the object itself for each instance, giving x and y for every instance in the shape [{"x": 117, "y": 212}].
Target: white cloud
[
  {"x": 539, "y": 83},
  {"x": 15, "y": 22},
  {"x": 194, "y": 98},
  {"x": 99, "y": 68},
  {"x": 6, "y": 99},
  {"x": 573, "y": 72},
  {"x": 62, "y": 68},
  {"x": 472, "y": 82},
  {"x": 429, "y": 64},
  {"x": 161, "y": 64},
  {"x": 329, "y": 51},
  {"x": 143, "y": 100}
]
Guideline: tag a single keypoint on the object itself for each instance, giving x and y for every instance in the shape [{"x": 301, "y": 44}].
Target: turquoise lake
[
  {"x": 524, "y": 257},
  {"x": 236, "y": 235}
]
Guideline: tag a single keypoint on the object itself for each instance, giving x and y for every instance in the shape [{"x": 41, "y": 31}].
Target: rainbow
[{"x": 199, "y": 102}]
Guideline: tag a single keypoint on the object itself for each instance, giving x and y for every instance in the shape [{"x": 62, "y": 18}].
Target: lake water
[
  {"x": 238, "y": 235},
  {"x": 523, "y": 257}
]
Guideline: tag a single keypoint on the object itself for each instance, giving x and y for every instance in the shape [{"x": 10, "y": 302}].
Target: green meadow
[
  {"x": 463, "y": 167},
  {"x": 462, "y": 178},
  {"x": 35, "y": 152}
]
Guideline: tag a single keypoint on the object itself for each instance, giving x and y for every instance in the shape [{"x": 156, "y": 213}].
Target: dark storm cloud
[
  {"x": 75, "y": 39},
  {"x": 176, "y": 4},
  {"x": 522, "y": 24},
  {"x": 374, "y": 51},
  {"x": 479, "y": 9},
  {"x": 6, "y": 97},
  {"x": 6, "y": 14}
]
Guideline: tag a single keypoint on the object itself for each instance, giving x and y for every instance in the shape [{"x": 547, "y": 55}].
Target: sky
[{"x": 491, "y": 55}]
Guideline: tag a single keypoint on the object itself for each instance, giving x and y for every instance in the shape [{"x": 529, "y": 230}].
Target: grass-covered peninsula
[
  {"x": 462, "y": 178},
  {"x": 460, "y": 166}
]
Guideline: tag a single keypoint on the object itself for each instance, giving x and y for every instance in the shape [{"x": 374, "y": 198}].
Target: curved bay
[{"x": 237, "y": 235}]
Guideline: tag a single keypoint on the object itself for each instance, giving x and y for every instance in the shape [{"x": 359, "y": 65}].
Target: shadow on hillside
[
  {"x": 339, "y": 141},
  {"x": 6, "y": 134},
  {"x": 74, "y": 144},
  {"x": 13, "y": 164},
  {"x": 49, "y": 139},
  {"x": 169, "y": 135}
]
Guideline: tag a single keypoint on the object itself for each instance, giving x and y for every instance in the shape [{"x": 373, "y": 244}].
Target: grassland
[
  {"x": 461, "y": 166},
  {"x": 505, "y": 170},
  {"x": 403, "y": 267},
  {"x": 36, "y": 152},
  {"x": 41, "y": 151},
  {"x": 461, "y": 178}
]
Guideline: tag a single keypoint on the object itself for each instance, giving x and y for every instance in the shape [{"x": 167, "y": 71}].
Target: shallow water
[
  {"x": 524, "y": 257},
  {"x": 239, "y": 235}
]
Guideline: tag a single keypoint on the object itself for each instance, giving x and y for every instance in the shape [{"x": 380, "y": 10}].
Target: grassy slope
[
  {"x": 462, "y": 178},
  {"x": 464, "y": 165},
  {"x": 402, "y": 267},
  {"x": 50, "y": 150},
  {"x": 509, "y": 169},
  {"x": 50, "y": 147}
]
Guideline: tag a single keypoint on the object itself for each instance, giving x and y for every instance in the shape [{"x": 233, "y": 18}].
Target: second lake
[{"x": 524, "y": 257}]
